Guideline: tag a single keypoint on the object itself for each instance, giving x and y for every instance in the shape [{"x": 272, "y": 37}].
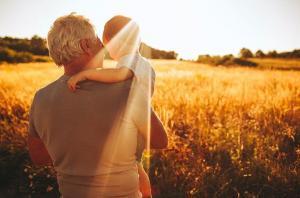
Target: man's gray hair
[{"x": 64, "y": 37}]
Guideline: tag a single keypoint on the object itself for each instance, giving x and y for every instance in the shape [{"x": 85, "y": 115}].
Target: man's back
[{"x": 75, "y": 127}]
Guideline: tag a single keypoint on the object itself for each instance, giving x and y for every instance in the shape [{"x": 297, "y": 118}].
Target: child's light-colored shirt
[
  {"x": 144, "y": 74},
  {"x": 144, "y": 80}
]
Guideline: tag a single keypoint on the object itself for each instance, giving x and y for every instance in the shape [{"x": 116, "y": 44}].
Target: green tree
[
  {"x": 7, "y": 54},
  {"x": 273, "y": 54},
  {"x": 259, "y": 54},
  {"x": 245, "y": 53},
  {"x": 38, "y": 46}
]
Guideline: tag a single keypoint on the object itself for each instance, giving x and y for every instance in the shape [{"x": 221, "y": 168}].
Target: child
[{"x": 121, "y": 38}]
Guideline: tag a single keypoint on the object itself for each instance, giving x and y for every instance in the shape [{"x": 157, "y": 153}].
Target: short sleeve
[
  {"x": 142, "y": 70},
  {"x": 129, "y": 61},
  {"x": 31, "y": 128}
]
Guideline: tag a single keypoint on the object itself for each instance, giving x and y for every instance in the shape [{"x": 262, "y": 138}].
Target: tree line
[
  {"x": 15, "y": 50},
  {"x": 153, "y": 53},
  {"x": 244, "y": 57},
  {"x": 246, "y": 53},
  {"x": 20, "y": 50}
]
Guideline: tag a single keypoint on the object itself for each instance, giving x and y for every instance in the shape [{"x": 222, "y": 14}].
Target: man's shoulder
[
  {"x": 99, "y": 86},
  {"x": 87, "y": 87},
  {"x": 44, "y": 90}
]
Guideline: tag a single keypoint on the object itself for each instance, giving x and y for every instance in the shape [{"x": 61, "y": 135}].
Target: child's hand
[
  {"x": 144, "y": 182},
  {"x": 72, "y": 82}
]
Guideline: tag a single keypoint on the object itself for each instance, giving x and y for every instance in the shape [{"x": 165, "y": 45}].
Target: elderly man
[{"x": 89, "y": 136}]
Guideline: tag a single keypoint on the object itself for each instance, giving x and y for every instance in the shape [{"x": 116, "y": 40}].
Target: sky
[{"x": 190, "y": 27}]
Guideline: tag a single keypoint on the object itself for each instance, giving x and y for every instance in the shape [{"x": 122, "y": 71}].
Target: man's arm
[
  {"x": 158, "y": 134},
  {"x": 38, "y": 152}
]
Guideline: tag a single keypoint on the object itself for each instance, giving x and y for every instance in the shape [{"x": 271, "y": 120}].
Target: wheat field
[{"x": 233, "y": 132}]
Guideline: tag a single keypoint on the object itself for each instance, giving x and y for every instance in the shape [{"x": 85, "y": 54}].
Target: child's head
[{"x": 121, "y": 36}]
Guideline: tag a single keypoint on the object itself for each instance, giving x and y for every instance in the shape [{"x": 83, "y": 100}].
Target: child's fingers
[
  {"x": 74, "y": 87},
  {"x": 71, "y": 87},
  {"x": 72, "y": 84}
]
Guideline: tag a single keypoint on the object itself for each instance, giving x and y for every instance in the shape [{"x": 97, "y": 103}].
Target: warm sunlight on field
[{"x": 233, "y": 131}]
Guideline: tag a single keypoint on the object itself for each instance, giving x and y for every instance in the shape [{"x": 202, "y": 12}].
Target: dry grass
[
  {"x": 233, "y": 131},
  {"x": 283, "y": 64}
]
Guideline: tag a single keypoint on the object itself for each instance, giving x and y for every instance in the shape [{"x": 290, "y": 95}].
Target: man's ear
[{"x": 84, "y": 44}]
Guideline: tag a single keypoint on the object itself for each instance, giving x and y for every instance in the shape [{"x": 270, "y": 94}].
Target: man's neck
[{"x": 71, "y": 70}]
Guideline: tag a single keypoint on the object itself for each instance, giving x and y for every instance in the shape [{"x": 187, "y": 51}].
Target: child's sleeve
[
  {"x": 130, "y": 62},
  {"x": 142, "y": 70}
]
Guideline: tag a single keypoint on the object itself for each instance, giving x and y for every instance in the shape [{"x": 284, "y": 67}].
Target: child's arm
[{"x": 107, "y": 75}]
